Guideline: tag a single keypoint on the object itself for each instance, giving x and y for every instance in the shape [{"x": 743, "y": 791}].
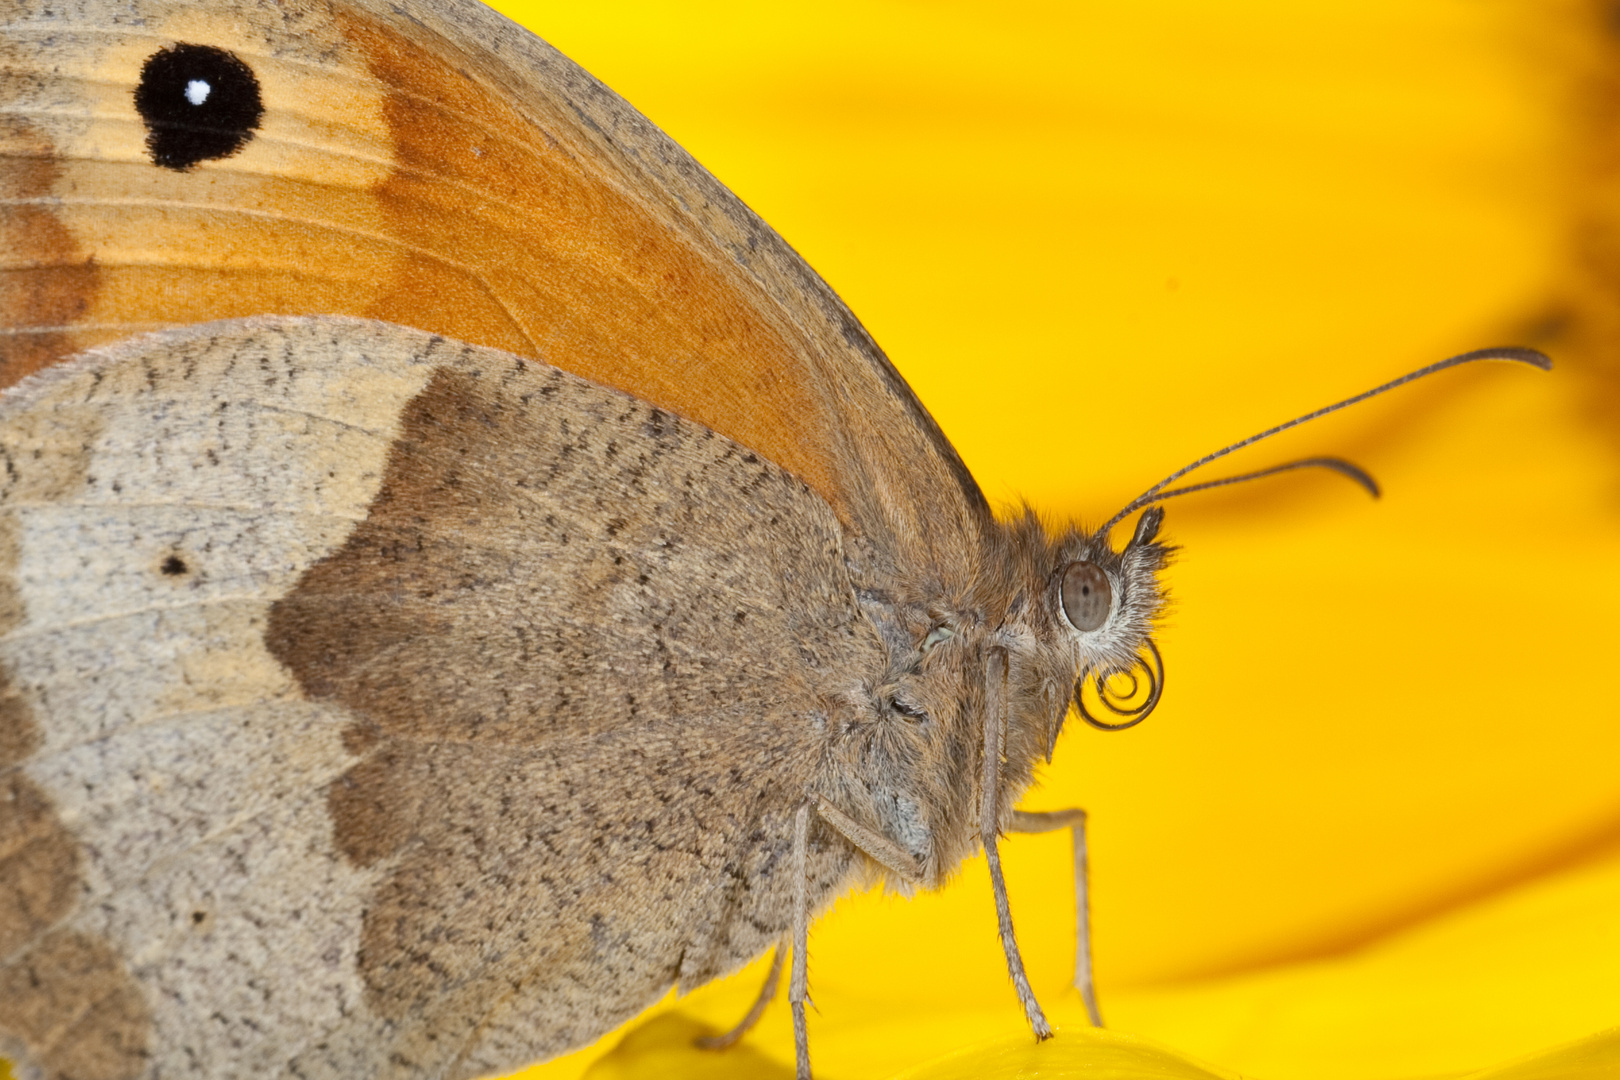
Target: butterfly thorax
[{"x": 906, "y": 748}]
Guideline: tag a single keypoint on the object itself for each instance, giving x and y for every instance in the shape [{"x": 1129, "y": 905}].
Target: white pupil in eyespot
[{"x": 197, "y": 91}]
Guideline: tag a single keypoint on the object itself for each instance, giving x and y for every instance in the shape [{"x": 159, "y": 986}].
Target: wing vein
[
  {"x": 292, "y": 219},
  {"x": 30, "y": 632}
]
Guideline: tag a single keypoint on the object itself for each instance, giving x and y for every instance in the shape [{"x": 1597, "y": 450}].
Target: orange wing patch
[
  {"x": 590, "y": 279},
  {"x": 387, "y": 182},
  {"x": 47, "y": 282}
]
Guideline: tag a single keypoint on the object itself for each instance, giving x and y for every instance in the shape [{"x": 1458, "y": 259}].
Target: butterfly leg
[
  {"x": 894, "y": 858},
  {"x": 995, "y": 720},
  {"x": 1025, "y": 821},
  {"x": 767, "y": 994},
  {"x": 798, "y": 985},
  {"x": 882, "y": 850}
]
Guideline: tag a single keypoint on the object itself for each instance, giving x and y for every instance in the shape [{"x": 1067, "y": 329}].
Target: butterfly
[{"x": 465, "y": 574}]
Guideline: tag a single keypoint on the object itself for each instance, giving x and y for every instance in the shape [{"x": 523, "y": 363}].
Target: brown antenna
[{"x": 1157, "y": 492}]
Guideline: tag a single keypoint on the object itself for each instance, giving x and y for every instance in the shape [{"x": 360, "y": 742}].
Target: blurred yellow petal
[
  {"x": 1595, "y": 1057},
  {"x": 1101, "y": 1055},
  {"x": 1499, "y": 979}
]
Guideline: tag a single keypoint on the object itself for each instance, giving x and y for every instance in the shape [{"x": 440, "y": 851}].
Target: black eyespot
[
  {"x": 1086, "y": 595},
  {"x": 199, "y": 103},
  {"x": 174, "y": 566}
]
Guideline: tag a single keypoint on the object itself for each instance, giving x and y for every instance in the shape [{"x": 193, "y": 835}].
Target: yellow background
[{"x": 1100, "y": 240}]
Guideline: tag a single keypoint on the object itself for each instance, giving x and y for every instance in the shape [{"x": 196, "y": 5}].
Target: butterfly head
[
  {"x": 1107, "y": 602},
  {"x": 1083, "y": 634}
]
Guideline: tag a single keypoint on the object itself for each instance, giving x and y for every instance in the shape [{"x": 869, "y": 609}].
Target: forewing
[
  {"x": 434, "y": 165},
  {"x": 382, "y": 705}
]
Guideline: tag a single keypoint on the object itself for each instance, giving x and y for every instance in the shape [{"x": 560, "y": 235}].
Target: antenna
[{"x": 1157, "y": 492}]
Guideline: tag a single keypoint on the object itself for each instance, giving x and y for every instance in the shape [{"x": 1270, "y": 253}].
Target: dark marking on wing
[
  {"x": 577, "y": 764},
  {"x": 199, "y": 103},
  {"x": 70, "y": 996},
  {"x": 65, "y": 997}
]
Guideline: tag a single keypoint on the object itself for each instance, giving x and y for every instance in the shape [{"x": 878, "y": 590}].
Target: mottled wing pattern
[
  {"x": 382, "y": 705},
  {"x": 433, "y": 165}
]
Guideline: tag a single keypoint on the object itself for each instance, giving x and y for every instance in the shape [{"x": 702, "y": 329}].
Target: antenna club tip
[
  {"x": 1520, "y": 353},
  {"x": 1348, "y": 469}
]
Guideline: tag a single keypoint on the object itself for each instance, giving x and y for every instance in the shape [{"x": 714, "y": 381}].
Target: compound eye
[{"x": 1087, "y": 596}]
